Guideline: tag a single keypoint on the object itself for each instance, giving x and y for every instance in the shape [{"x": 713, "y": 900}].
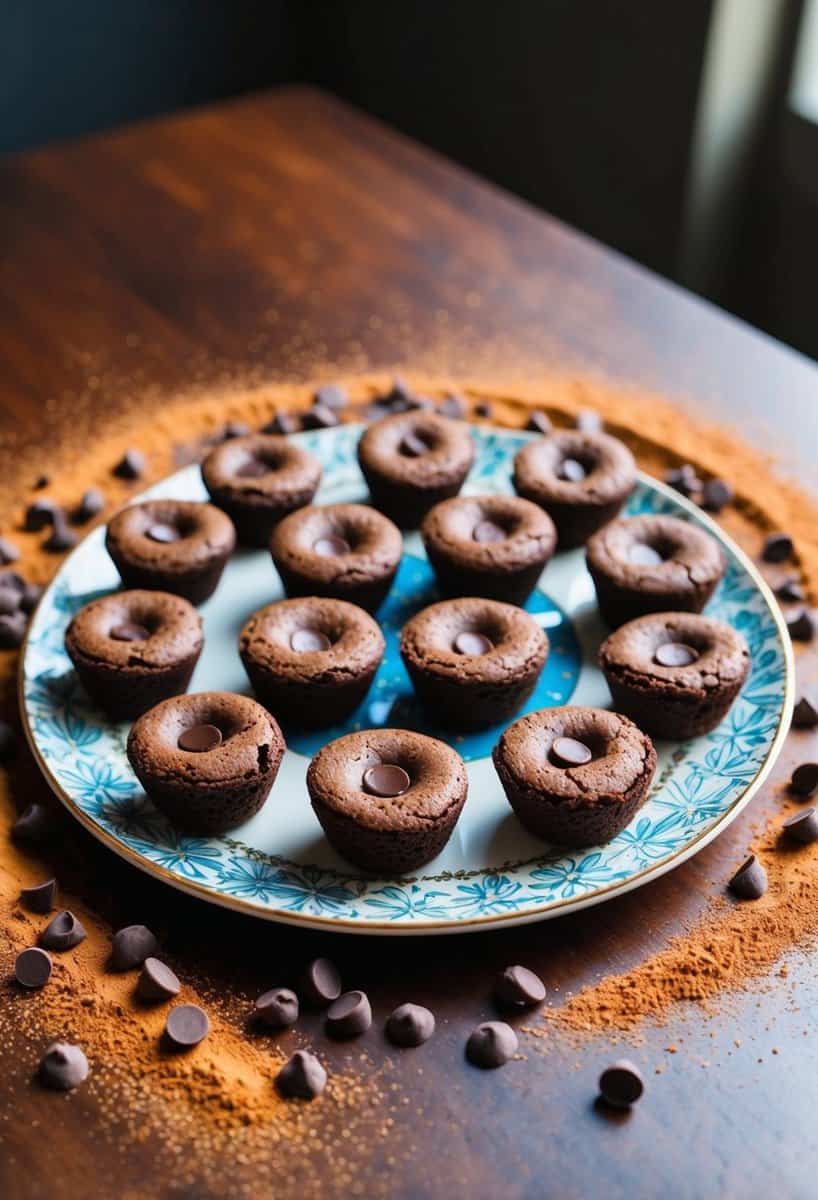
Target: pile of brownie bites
[{"x": 388, "y": 799}]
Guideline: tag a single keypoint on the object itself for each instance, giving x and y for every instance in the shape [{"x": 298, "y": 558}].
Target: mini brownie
[
  {"x": 387, "y": 799},
  {"x": 675, "y": 674},
  {"x": 257, "y": 480},
  {"x": 473, "y": 662},
  {"x": 581, "y": 479},
  {"x": 651, "y": 564},
  {"x": 413, "y": 460},
  {"x": 176, "y": 546},
  {"x": 493, "y": 546},
  {"x": 207, "y": 760},
  {"x": 311, "y": 660},
  {"x": 343, "y": 551},
  {"x": 575, "y": 776},
  {"x": 133, "y": 649}
]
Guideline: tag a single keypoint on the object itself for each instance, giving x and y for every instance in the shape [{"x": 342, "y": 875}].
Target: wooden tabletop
[{"x": 267, "y": 237}]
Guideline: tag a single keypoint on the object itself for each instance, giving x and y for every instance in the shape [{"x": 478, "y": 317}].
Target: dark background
[{"x": 584, "y": 107}]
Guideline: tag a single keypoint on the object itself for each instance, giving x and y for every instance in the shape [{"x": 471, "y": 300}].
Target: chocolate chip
[
  {"x": 129, "y": 631},
  {"x": 131, "y": 946},
  {"x": 539, "y": 422},
  {"x": 804, "y": 779},
  {"x": 8, "y": 742},
  {"x": 802, "y": 627},
  {"x": 162, "y": 533},
  {"x": 803, "y": 827},
  {"x": 283, "y": 423},
  {"x": 40, "y": 898},
  {"x": 749, "y": 881},
  {"x": 331, "y": 547},
  {"x": 91, "y": 505},
  {"x": 302, "y": 1077},
  {"x": 278, "y": 1008},
  {"x": 777, "y": 548},
  {"x": 488, "y": 531},
  {"x": 484, "y": 409},
  {"x": 454, "y": 407},
  {"x": 621, "y": 1085},
  {"x": 131, "y": 465},
  {"x": 254, "y": 468},
  {"x": 805, "y": 713},
  {"x": 36, "y": 823},
  {"x": 198, "y": 739},
  {"x": 235, "y": 429},
  {"x": 410, "y": 1025},
  {"x": 683, "y": 479},
  {"x": 331, "y": 395},
  {"x": 30, "y": 597},
  {"x": 39, "y": 514},
  {"x": 13, "y": 580},
  {"x": 32, "y": 967},
  {"x": 387, "y": 780},
  {"x": 469, "y": 642},
  {"x": 349, "y": 1016},
  {"x": 790, "y": 591},
  {"x": 643, "y": 555},
  {"x": 320, "y": 983},
  {"x": 716, "y": 495},
  {"x": 675, "y": 654},
  {"x": 413, "y": 445},
  {"x": 306, "y": 641},
  {"x": 491, "y": 1044},
  {"x": 9, "y": 601},
  {"x": 320, "y": 417},
  {"x": 63, "y": 932},
  {"x": 187, "y": 1025},
  {"x": 588, "y": 421},
  {"x": 569, "y": 752},
  {"x": 62, "y": 536},
  {"x": 12, "y": 630},
  {"x": 42, "y": 481},
  {"x": 8, "y": 552},
  {"x": 157, "y": 982},
  {"x": 63, "y": 1066},
  {"x": 517, "y": 987},
  {"x": 571, "y": 471}
]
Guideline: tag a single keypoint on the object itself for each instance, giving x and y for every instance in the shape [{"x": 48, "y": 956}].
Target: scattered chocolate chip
[
  {"x": 805, "y": 713},
  {"x": 157, "y": 982},
  {"x": 571, "y": 471},
  {"x": 750, "y": 880},
  {"x": 282, "y": 423},
  {"x": 399, "y": 397},
  {"x": 254, "y": 468},
  {"x": 30, "y": 597},
  {"x": 621, "y": 1085},
  {"x": 36, "y": 823},
  {"x": 349, "y": 1016},
  {"x": 803, "y": 827},
  {"x": 62, "y": 536},
  {"x": 278, "y": 1008},
  {"x": 63, "y": 932},
  {"x": 804, "y": 779},
  {"x": 410, "y": 1025},
  {"x": 491, "y": 1044},
  {"x": 8, "y": 742},
  {"x": 777, "y": 548},
  {"x": 332, "y": 396},
  {"x": 131, "y": 946},
  {"x": 235, "y": 429},
  {"x": 8, "y": 552},
  {"x": 643, "y": 555},
  {"x": 32, "y": 967},
  {"x": 387, "y": 780},
  {"x": 162, "y": 533},
  {"x": 331, "y": 547},
  {"x": 716, "y": 495},
  {"x": 39, "y": 514},
  {"x": 539, "y": 422},
  {"x": 42, "y": 481},
  {"x": 517, "y": 987},
  {"x": 200, "y": 738},
  {"x": 790, "y": 591},
  {"x": 302, "y": 1077},
  {"x": 306, "y": 641},
  {"x": 131, "y": 465},
  {"x": 588, "y": 421},
  {"x": 469, "y": 642},
  {"x": 187, "y": 1025},
  {"x": 413, "y": 446},
  {"x": 91, "y": 505},
  {"x": 9, "y": 601},
  {"x": 569, "y": 752},
  {"x": 320, "y": 417},
  {"x": 675, "y": 654},
  {"x": 129, "y": 631},
  {"x": 488, "y": 531},
  {"x": 802, "y": 627},
  {"x": 12, "y": 630},
  {"x": 320, "y": 983},
  {"x": 454, "y": 406},
  {"x": 484, "y": 409},
  {"x": 63, "y": 1066},
  {"x": 13, "y": 580},
  {"x": 40, "y": 897}
]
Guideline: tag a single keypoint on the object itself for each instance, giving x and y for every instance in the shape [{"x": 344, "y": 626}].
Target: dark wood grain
[{"x": 266, "y": 237}]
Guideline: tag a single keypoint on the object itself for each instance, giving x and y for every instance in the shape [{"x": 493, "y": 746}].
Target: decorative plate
[{"x": 280, "y": 867}]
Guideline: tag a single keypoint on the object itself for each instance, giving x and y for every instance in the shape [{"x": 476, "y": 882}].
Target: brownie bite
[
  {"x": 493, "y": 546},
  {"x": 311, "y": 660},
  {"x": 675, "y": 674},
  {"x": 133, "y": 649},
  {"x": 651, "y": 564},
  {"x": 259, "y": 479},
  {"x": 176, "y": 546},
  {"x": 343, "y": 551},
  {"x": 575, "y": 776},
  {"x": 413, "y": 460},
  {"x": 473, "y": 662},
  {"x": 207, "y": 760},
  {"x": 387, "y": 799},
  {"x": 581, "y": 479}
]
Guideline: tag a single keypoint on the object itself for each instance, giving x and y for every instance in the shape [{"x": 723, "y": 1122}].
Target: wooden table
[{"x": 268, "y": 236}]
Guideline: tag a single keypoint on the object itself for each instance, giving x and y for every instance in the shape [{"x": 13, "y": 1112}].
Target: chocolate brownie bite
[
  {"x": 473, "y": 662},
  {"x": 257, "y": 480},
  {"x": 575, "y": 776},
  {"x": 387, "y": 799},
  {"x": 675, "y": 674},
  {"x": 176, "y": 546},
  {"x": 492, "y": 546},
  {"x": 133, "y": 649},
  {"x": 207, "y": 760},
  {"x": 343, "y": 551},
  {"x": 652, "y": 564},
  {"x": 311, "y": 660},
  {"x": 581, "y": 479},
  {"x": 412, "y": 461}
]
